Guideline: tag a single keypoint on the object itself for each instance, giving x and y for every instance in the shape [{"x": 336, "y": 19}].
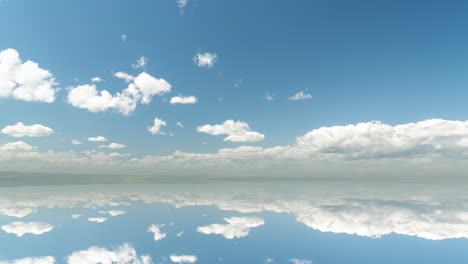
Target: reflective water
[{"x": 304, "y": 221}]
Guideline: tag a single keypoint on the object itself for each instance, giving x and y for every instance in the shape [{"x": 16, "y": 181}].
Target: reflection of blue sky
[{"x": 281, "y": 238}]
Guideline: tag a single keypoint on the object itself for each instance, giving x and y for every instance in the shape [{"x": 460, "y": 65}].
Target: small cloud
[
  {"x": 97, "y": 139},
  {"x": 76, "y": 142},
  {"x": 97, "y": 219},
  {"x": 180, "y": 234},
  {"x": 236, "y": 131},
  {"x": 122, "y": 254},
  {"x": 156, "y": 128},
  {"x": 31, "y": 260},
  {"x": 158, "y": 234},
  {"x": 141, "y": 63},
  {"x": 21, "y": 130},
  {"x": 300, "y": 261},
  {"x": 269, "y": 97},
  {"x": 16, "y": 212},
  {"x": 183, "y": 258},
  {"x": 116, "y": 146},
  {"x": 124, "y": 37},
  {"x": 96, "y": 79},
  {"x": 206, "y": 59},
  {"x": 181, "y": 4},
  {"x": 236, "y": 227},
  {"x": 124, "y": 76},
  {"x": 179, "y": 124},
  {"x": 302, "y": 95},
  {"x": 183, "y": 100},
  {"x": 21, "y": 228},
  {"x": 113, "y": 212},
  {"x": 75, "y": 216}
]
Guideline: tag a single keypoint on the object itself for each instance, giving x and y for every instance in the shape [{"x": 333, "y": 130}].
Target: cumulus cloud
[
  {"x": 18, "y": 146},
  {"x": 302, "y": 95},
  {"x": 31, "y": 260},
  {"x": 20, "y": 228},
  {"x": 156, "y": 127},
  {"x": 125, "y": 254},
  {"x": 97, "y": 219},
  {"x": 25, "y": 80},
  {"x": 184, "y": 100},
  {"x": 300, "y": 261},
  {"x": 179, "y": 124},
  {"x": 156, "y": 230},
  {"x": 76, "y": 142},
  {"x": 237, "y": 227},
  {"x": 141, "y": 90},
  {"x": 183, "y": 258},
  {"x": 21, "y": 130},
  {"x": 141, "y": 63},
  {"x": 374, "y": 140},
  {"x": 206, "y": 59},
  {"x": 236, "y": 131},
  {"x": 97, "y": 139}
]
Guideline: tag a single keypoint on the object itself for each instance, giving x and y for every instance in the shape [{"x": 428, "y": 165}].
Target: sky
[{"x": 206, "y": 86}]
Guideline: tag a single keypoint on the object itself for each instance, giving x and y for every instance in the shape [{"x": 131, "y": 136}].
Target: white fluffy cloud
[
  {"x": 141, "y": 90},
  {"x": 97, "y": 139},
  {"x": 183, "y": 258},
  {"x": 236, "y": 131},
  {"x": 18, "y": 146},
  {"x": 206, "y": 59},
  {"x": 156, "y": 127},
  {"x": 179, "y": 124},
  {"x": 302, "y": 95},
  {"x": 124, "y": 76},
  {"x": 25, "y": 80},
  {"x": 20, "y": 228},
  {"x": 31, "y": 260},
  {"x": 184, "y": 100},
  {"x": 375, "y": 140},
  {"x": 236, "y": 227},
  {"x": 300, "y": 261},
  {"x": 156, "y": 230},
  {"x": 21, "y": 130},
  {"x": 124, "y": 254}
]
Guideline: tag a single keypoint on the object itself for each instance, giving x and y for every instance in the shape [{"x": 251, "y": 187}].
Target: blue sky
[{"x": 394, "y": 61}]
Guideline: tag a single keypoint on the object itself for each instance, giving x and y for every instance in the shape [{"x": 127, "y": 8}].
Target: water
[{"x": 359, "y": 221}]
